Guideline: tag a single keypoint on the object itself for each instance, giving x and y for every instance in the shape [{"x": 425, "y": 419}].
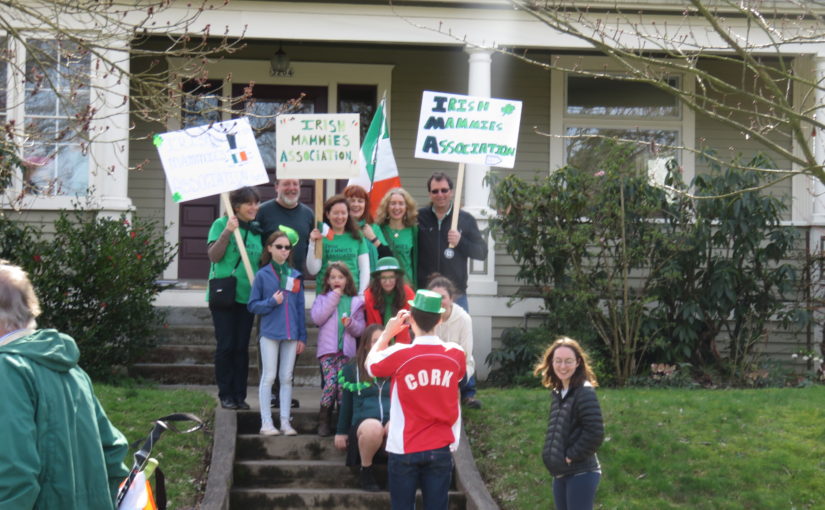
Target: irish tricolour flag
[{"x": 379, "y": 172}]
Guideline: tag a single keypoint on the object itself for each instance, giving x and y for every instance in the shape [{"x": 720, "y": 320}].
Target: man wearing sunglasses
[{"x": 435, "y": 236}]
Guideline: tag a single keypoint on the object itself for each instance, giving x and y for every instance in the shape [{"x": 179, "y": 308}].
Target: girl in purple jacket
[{"x": 339, "y": 313}]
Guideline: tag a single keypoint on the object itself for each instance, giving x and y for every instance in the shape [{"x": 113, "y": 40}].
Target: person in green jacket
[
  {"x": 365, "y": 411},
  {"x": 57, "y": 449}
]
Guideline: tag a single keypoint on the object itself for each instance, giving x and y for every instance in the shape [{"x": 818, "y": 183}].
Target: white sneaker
[
  {"x": 288, "y": 430},
  {"x": 269, "y": 431}
]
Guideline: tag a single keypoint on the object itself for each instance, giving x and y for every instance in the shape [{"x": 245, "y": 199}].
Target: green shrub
[
  {"x": 514, "y": 360},
  {"x": 95, "y": 278}
]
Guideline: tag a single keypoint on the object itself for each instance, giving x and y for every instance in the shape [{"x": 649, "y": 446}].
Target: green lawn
[
  {"x": 183, "y": 457},
  {"x": 666, "y": 449}
]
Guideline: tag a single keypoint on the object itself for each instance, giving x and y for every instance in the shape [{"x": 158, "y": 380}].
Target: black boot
[
  {"x": 368, "y": 482},
  {"x": 324, "y": 429}
]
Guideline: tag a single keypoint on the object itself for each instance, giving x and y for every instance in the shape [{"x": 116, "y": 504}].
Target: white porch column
[
  {"x": 819, "y": 140},
  {"x": 481, "y": 281},
  {"x": 476, "y": 192},
  {"x": 111, "y": 172}
]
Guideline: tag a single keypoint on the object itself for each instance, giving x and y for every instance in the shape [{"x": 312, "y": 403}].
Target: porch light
[{"x": 279, "y": 64}]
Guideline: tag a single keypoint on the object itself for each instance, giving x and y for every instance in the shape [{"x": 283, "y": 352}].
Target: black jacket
[
  {"x": 432, "y": 240},
  {"x": 575, "y": 430}
]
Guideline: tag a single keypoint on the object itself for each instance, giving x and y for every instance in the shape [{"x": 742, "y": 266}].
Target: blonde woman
[{"x": 397, "y": 218}]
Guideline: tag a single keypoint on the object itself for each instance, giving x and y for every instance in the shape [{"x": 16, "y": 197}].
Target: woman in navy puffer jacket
[{"x": 575, "y": 429}]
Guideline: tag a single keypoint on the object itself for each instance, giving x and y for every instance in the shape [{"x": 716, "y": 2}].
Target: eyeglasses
[
  {"x": 282, "y": 246},
  {"x": 443, "y": 191},
  {"x": 388, "y": 278},
  {"x": 568, "y": 362}
]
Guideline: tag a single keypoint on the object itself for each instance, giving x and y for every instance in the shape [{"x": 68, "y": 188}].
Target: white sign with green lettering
[
  {"x": 468, "y": 129},
  {"x": 318, "y": 146}
]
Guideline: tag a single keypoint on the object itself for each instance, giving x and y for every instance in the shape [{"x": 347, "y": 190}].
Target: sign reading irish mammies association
[
  {"x": 207, "y": 160},
  {"x": 318, "y": 146},
  {"x": 468, "y": 129}
]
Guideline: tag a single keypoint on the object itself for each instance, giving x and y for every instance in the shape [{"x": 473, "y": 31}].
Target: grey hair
[{"x": 19, "y": 305}]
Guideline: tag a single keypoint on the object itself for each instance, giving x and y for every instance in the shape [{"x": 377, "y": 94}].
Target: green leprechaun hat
[{"x": 427, "y": 301}]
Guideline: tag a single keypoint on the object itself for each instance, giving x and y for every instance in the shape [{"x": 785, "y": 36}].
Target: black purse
[{"x": 222, "y": 291}]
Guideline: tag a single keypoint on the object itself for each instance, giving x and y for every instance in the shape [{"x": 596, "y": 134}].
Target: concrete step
[
  {"x": 205, "y": 354},
  {"x": 305, "y": 474},
  {"x": 304, "y": 420},
  {"x": 204, "y": 373},
  {"x": 301, "y": 447},
  {"x": 351, "y": 499},
  {"x": 204, "y": 334}
]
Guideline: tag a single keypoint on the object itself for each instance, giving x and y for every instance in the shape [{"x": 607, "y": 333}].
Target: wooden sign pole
[
  {"x": 319, "y": 215},
  {"x": 459, "y": 186},
  {"x": 238, "y": 239}
]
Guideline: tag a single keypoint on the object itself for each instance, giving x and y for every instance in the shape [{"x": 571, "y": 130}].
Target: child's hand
[
  {"x": 338, "y": 290},
  {"x": 341, "y": 441},
  {"x": 397, "y": 324},
  {"x": 278, "y": 296},
  {"x": 300, "y": 348},
  {"x": 346, "y": 321},
  {"x": 315, "y": 234}
]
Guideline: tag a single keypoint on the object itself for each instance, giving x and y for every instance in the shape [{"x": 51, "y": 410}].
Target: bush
[
  {"x": 514, "y": 360},
  {"x": 95, "y": 278}
]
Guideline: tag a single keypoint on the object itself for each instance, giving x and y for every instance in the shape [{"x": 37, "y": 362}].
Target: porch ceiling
[{"x": 430, "y": 22}]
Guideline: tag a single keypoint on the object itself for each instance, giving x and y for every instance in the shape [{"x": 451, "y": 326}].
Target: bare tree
[
  {"x": 74, "y": 74},
  {"x": 760, "y": 39}
]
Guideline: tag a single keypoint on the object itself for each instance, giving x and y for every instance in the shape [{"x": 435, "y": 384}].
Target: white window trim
[
  {"x": 110, "y": 147},
  {"x": 560, "y": 121},
  {"x": 311, "y": 74}
]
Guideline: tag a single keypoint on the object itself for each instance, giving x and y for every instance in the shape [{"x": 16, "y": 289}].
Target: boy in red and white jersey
[{"x": 425, "y": 410}]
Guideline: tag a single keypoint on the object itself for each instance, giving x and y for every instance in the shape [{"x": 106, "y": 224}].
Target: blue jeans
[
  {"x": 576, "y": 492},
  {"x": 432, "y": 470},
  {"x": 467, "y": 387},
  {"x": 462, "y": 302}
]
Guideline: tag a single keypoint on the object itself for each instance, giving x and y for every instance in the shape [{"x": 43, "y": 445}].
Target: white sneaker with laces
[
  {"x": 288, "y": 430},
  {"x": 269, "y": 430}
]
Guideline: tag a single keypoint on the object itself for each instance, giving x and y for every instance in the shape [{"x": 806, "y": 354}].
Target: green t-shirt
[
  {"x": 402, "y": 243},
  {"x": 226, "y": 265},
  {"x": 342, "y": 248}
]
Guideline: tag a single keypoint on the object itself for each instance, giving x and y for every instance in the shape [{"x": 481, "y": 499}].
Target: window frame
[
  {"x": 684, "y": 124},
  {"x": 103, "y": 162}
]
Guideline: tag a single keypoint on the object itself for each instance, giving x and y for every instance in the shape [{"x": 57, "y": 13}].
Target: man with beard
[{"x": 286, "y": 209}]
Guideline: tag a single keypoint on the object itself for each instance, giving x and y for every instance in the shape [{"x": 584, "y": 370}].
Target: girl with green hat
[{"x": 387, "y": 294}]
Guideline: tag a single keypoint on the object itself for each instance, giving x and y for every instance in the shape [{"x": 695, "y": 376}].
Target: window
[
  {"x": 56, "y": 96},
  {"x": 588, "y": 110}
]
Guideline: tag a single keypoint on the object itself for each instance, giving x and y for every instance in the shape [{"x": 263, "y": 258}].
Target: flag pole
[
  {"x": 238, "y": 239},
  {"x": 319, "y": 215},
  {"x": 459, "y": 185}
]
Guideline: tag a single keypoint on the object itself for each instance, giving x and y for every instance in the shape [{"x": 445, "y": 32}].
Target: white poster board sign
[
  {"x": 468, "y": 129},
  {"x": 207, "y": 160},
  {"x": 318, "y": 146}
]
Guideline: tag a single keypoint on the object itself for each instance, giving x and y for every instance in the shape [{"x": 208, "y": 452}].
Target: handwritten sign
[
  {"x": 468, "y": 129},
  {"x": 207, "y": 160},
  {"x": 318, "y": 146}
]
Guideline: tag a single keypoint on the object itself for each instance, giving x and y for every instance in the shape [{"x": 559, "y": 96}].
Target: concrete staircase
[
  {"x": 186, "y": 351},
  {"x": 303, "y": 471}
]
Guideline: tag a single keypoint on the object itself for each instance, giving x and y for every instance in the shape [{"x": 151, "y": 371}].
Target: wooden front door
[{"x": 197, "y": 216}]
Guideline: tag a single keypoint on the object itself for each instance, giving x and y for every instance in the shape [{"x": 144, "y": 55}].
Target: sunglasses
[
  {"x": 282, "y": 246},
  {"x": 443, "y": 191}
]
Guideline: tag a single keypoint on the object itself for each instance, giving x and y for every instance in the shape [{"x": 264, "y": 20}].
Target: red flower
[
  {"x": 132, "y": 234},
  {"x": 139, "y": 256},
  {"x": 37, "y": 258}
]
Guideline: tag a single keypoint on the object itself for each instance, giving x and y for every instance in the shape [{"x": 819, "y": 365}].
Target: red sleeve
[
  {"x": 404, "y": 337},
  {"x": 372, "y": 315}
]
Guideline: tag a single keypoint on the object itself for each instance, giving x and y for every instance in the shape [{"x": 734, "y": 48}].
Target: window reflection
[
  {"x": 57, "y": 95},
  {"x": 586, "y": 147},
  {"x": 620, "y": 98}
]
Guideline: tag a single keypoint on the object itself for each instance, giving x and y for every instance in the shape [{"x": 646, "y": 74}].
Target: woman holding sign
[
  {"x": 232, "y": 321},
  {"x": 342, "y": 241},
  {"x": 397, "y": 219}
]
